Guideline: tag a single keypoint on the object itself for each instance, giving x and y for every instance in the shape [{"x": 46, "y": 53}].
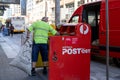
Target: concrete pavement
[{"x": 9, "y": 48}]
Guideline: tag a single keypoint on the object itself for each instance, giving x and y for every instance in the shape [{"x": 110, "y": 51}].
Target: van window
[
  {"x": 91, "y": 18},
  {"x": 74, "y": 19}
]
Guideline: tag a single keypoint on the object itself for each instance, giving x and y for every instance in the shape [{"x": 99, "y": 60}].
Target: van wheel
[{"x": 116, "y": 62}]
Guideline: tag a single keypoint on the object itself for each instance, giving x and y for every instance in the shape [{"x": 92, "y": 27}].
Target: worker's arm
[
  {"x": 53, "y": 31},
  {"x": 57, "y": 34}
]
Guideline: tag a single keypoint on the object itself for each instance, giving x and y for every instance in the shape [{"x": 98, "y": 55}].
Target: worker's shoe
[
  {"x": 44, "y": 71},
  {"x": 33, "y": 73}
]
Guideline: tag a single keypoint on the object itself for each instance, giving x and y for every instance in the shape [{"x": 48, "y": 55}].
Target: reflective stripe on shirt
[
  {"x": 41, "y": 29},
  {"x": 42, "y": 36}
]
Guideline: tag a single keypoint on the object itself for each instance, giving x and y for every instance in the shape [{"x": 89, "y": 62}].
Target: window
[
  {"x": 91, "y": 18},
  {"x": 74, "y": 19},
  {"x": 37, "y": 1},
  {"x": 70, "y": 8}
]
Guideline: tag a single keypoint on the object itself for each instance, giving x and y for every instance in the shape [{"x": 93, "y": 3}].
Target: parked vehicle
[
  {"x": 94, "y": 14},
  {"x": 18, "y": 23}
]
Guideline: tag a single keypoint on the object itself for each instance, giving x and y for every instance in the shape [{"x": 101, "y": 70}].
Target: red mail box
[{"x": 69, "y": 57}]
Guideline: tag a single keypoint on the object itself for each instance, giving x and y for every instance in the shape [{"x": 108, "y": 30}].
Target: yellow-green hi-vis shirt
[{"x": 40, "y": 31}]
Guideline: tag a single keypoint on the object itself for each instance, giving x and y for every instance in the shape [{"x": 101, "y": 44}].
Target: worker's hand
[
  {"x": 57, "y": 34},
  {"x": 25, "y": 40}
]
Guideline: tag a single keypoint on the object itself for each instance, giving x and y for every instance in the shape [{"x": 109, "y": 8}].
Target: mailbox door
[{"x": 69, "y": 58}]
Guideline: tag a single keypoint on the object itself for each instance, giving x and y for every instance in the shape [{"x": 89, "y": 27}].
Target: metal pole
[
  {"x": 107, "y": 41},
  {"x": 57, "y": 12},
  {"x": 45, "y": 8}
]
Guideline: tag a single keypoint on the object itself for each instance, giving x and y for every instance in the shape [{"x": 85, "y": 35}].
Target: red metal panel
[
  {"x": 114, "y": 29},
  {"x": 69, "y": 58}
]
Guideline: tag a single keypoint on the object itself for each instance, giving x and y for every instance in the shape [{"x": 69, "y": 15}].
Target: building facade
[
  {"x": 12, "y": 10},
  {"x": 36, "y": 9}
]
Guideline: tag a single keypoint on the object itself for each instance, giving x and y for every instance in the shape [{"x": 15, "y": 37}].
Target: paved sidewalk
[{"x": 8, "y": 72}]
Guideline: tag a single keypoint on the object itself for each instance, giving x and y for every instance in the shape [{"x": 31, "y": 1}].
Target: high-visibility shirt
[
  {"x": 40, "y": 31},
  {"x": 54, "y": 27}
]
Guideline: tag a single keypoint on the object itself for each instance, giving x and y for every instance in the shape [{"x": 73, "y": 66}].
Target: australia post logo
[
  {"x": 84, "y": 29},
  {"x": 70, "y": 50}
]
